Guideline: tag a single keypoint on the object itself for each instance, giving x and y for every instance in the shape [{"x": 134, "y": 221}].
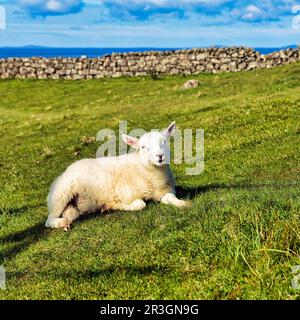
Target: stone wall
[{"x": 186, "y": 62}]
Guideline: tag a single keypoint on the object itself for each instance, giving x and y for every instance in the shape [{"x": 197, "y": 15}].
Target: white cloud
[
  {"x": 54, "y": 5},
  {"x": 160, "y": 3},
  {"x": 180, "y": 35},
  {"x": 253, "y": 9},
  {"x": 252, "y": 13},
  {"x": 51, "y": 7},
  {"x": 260, "y": 23}
]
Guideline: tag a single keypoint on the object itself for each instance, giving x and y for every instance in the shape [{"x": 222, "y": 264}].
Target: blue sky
[{"x": 150, "y": 23}]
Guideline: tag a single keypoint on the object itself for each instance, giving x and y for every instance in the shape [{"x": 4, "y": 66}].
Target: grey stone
[
  {"x": 191, "y": 84},
  {"x": 188, "y": 62}
]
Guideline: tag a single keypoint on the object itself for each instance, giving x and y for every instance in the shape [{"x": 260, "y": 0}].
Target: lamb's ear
[
  {"x": 131, "y": 141},
  {"x": 170, "y": 130}
]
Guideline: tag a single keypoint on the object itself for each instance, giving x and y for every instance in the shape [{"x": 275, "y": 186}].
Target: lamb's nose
[{"x": 160, "y": 156}]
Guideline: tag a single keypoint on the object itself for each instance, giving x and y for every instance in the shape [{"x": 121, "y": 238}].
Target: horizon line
[{"x": 146, "y": 47}]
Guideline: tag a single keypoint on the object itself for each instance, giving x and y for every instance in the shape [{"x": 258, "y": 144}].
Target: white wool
[{"x": 114, "y": 183}]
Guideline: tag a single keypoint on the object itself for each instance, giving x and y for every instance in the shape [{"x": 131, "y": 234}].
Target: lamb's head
[{"x": 153, "y": 146}]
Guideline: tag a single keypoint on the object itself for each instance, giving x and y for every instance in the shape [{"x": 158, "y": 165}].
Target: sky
[{"x": 150, "y": 23}]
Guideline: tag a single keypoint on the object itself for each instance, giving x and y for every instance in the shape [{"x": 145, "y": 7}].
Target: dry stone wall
[{"x": 188, "y": 62}]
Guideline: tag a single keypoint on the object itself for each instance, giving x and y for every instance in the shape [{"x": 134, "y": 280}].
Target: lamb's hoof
[
  {"x": 58, "y": 223},
  {"x": 104, "y": 208},
  {"x": 68, "y": 228},
  {"x": 65, "y": 225},
  {"x": 185, "y": 204}
]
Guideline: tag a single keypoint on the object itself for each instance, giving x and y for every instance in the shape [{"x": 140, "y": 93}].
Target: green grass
[{"x": 240, "y": 238}]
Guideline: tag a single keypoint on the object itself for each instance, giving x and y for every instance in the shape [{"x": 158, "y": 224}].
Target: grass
[{"x": 240, "y": 238}]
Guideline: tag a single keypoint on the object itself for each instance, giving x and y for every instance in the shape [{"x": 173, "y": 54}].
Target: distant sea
[{"x": 33, "y": 51}]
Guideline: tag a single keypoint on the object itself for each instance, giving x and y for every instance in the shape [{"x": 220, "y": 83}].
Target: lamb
[{"x": 115, "y": 183}]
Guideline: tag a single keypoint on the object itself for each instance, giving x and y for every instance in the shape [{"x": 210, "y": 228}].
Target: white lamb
[{"x": 115, "y": 183}]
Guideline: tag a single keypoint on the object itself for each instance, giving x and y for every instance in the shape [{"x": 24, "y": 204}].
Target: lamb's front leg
[
  {"x": 136, "y": 205},
  {"x": 170, "y": 198}
]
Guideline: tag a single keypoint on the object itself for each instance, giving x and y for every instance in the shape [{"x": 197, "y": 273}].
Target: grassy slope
[{"x": 240, "y": 238}]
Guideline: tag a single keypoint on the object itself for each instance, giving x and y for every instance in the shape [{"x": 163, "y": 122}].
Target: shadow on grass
[
  {"x": 90, "y": 274},
  {"x": 128, "y": 270},
  {"x": 12, "y": 211},
  {"x": 32, "y": 232},
  {"x": 191, "y": 193},
  {"x": 23, "y": 240}
]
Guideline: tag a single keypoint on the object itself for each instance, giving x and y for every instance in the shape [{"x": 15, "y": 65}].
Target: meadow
[{"x": 239, "y": 239}]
